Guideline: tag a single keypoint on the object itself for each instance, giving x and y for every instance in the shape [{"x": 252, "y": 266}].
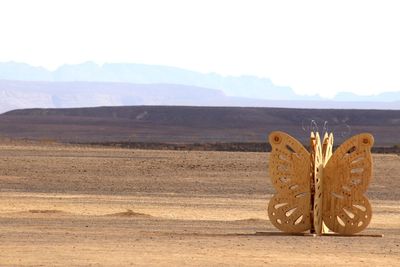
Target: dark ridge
[
  {"x": 191, "y": 125},
  {"x": 228, "y": 147}
]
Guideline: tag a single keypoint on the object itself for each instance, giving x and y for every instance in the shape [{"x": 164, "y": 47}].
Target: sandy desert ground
[{"x": 82, "y": 206}]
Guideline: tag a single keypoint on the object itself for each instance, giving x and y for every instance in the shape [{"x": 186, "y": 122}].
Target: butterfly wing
[
  {"x": 327, "y": 147},
  {"x": 289, "y": 169},
  {"x": 346, "y": 178}
]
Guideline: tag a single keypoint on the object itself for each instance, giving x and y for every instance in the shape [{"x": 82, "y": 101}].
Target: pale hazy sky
[{"x": 312, "y": 46}]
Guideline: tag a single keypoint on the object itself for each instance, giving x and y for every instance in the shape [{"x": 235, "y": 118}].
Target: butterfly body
[{"x": 320, "y": 190}]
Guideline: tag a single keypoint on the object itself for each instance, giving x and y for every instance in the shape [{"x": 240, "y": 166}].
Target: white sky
[{"x": 312, "y": 46}]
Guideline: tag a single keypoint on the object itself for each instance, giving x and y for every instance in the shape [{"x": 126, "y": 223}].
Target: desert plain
[{"x": 64, "y": 205}]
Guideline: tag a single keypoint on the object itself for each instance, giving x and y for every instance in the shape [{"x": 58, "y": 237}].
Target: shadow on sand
[{"x": 272, "y": 233}]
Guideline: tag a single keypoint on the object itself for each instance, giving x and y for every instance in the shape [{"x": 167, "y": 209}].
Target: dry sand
[{"x": 77, "y": 206}]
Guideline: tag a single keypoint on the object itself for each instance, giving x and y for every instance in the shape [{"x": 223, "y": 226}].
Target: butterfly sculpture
[{"x": 320, "y": 190}]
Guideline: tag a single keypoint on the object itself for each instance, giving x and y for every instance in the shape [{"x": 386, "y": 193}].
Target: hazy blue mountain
[
  {"x": 250, "y": 87},
  {"x": 242, "y": 86},
  {"x": 23, "y": 72},
  {"x": 38, "y": 94},
  {"x": 383, "y": 97},
  {"x": 25, "y": 94}
]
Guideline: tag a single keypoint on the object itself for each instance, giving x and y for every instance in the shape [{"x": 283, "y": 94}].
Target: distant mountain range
[
  {"x": 89, "y": 84},
  {"x": 28, "y": 94}
]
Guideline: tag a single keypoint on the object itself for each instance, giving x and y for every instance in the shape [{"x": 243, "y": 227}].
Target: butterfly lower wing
[
  {"x": 289, "y": 169},
  {"x": 346, "y": 178}
]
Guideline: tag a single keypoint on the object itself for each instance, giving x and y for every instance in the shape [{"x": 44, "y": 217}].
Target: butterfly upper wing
[
  {"x": 289, "y": 169},
  {"x": 327, "y": 147},
  {"x": 346, "y": 178}
]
